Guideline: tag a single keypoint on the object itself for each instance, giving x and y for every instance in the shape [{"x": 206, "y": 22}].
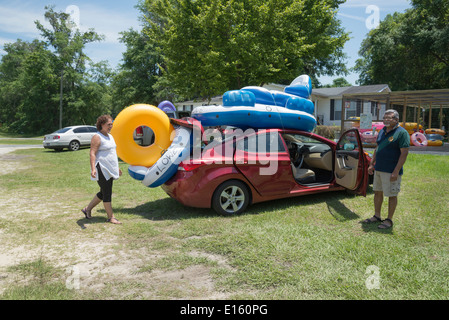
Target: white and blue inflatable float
[
  {"x": 167, "y": 165},
  {"x": 260, "y": 108}
]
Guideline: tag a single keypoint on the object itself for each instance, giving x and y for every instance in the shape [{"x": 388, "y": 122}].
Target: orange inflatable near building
[{"x": 436, "y": 131}]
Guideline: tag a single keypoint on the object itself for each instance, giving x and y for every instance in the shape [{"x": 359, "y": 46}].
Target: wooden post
[
  {"x": 430, "y": 115},
  {"x": 414, "y": 113},
  {"x": 404, "y": 112},
  {"x": 418, "y": 120},
  {"x": 343, "y": 115}
]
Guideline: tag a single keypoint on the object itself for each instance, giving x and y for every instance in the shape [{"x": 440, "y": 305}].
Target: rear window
[
  {"x": 63, "y": 130},
  {"x": 81, "y": 130},
  {"x": 262, "y": 143}
]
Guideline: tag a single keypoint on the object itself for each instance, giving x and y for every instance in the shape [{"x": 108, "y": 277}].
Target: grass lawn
[
  {"x": 310, "y": 247},
  {"x": 19, "y": 139}
]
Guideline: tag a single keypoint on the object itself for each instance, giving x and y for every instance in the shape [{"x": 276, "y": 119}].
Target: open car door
[{"x": 351, "y": 169}]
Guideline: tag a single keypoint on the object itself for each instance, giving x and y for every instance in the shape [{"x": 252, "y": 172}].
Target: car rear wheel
[
  {"x": 231, "y": 198},
  {"x": 74, "y": 145}
]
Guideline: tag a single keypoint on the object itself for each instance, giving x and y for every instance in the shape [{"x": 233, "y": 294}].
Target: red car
[{"x": 268, "y": 164}]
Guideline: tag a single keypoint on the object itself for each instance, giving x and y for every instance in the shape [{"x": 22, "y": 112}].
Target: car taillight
[
  {"x": 189, "y": 166},
  {"x": 139, "y": 131},
  {"x": 56, "y": 137}
]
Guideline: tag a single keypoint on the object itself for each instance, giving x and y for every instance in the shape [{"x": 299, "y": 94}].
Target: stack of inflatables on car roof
[{"x": 249, "y": 107}]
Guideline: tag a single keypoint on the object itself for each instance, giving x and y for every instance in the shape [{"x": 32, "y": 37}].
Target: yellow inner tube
[
  {"x": 435, "y": 143},
  {"x": 141, "y": 115},
  {"x": 436, "y": 131}
]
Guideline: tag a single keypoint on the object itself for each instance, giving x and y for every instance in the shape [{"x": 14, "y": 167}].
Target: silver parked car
[{"x": 72, "y": 138}]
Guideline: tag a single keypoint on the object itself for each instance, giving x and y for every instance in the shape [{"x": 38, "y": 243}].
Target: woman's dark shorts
[{"x": 105, "y": 193}]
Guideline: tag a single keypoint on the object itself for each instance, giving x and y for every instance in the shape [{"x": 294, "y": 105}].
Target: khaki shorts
[{"x": 382, "y": 183}]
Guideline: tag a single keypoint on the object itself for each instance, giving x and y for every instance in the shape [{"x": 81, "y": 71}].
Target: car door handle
[{"x": 343, "y": 162}]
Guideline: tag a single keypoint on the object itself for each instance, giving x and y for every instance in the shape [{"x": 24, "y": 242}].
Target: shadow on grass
[
  {"x": 170, "y": 209},
  {"x": 167, "y": 209},
  {"x": 62, "y": 151},
  {"x": 158, "y": 210},
  {"x": 98, "y": 219},
  {"x": 374, "y": 227}
]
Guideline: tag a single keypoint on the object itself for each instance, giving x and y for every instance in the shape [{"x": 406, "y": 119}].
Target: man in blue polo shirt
[{"x": 388, "y": 159}]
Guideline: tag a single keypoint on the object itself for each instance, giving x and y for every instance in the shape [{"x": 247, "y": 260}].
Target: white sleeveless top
[{"x": 107, "y": 157}]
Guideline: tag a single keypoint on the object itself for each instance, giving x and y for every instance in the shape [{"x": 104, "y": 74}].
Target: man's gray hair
[{"x": 394, "y": 112}]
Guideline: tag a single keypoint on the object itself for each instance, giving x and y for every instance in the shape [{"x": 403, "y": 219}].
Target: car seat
[{"x": 303, "y": 175}]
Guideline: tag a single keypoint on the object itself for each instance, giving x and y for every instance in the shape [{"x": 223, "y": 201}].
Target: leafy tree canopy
[
  {"x": 30, "y": 79},
  {"x": 210, "y": 46},
  {"x": 137, "y": 75},
  {"x": 410, "y": 50}
]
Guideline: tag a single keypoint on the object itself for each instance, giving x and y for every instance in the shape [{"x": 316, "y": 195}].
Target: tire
[
  {"x": 231, "y": 198},
  {"x": 74, "y": 145}
]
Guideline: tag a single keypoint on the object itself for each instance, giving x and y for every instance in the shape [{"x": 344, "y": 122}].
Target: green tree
[
  {"x": 92, "y": 95},
  {"x": 410, "y": 50},
  {"x": 211, "y": 46},
  {"x": 339, "y": 82},
  {"x": 30, "y": 79},
  {"x": 68, "y": 43},
  {"x": 27, "y": 87},
  {"x": 11, "y": 66},
  {"x": 137, "y": 74}
]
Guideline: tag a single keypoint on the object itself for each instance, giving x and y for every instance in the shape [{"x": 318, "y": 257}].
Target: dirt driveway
[{"x": 97, "y": 264}]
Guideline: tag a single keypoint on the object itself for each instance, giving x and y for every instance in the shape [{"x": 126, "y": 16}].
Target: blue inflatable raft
[{"x": 260, "y": 108}]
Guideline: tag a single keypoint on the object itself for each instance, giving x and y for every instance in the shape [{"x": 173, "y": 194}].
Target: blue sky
[{"x": 111, "y": 17}]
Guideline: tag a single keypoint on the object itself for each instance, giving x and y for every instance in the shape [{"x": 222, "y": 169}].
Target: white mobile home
[{"x": 328, "y": 103}]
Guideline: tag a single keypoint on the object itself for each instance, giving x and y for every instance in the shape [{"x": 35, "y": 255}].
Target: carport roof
[
  {"x": 339, "y": 91},
  {"x": 422, "y": 98},
  {"x": 425, "y": 99}
]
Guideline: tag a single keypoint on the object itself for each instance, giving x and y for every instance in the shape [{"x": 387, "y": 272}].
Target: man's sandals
[
  {"x": 373, "y": 219},
  {"x": 386, "y": 224}
]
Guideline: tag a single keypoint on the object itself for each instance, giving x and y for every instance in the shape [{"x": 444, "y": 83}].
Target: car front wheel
[
  {"x": 74, "y": 145},
  {"x": 231, "y": 198}
]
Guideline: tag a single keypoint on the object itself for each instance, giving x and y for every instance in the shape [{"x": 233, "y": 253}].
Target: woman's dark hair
[{"x": 102, "y": 120}]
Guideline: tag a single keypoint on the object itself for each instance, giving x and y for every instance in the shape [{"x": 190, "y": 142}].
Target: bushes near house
[{"x": 329, "y": 132}]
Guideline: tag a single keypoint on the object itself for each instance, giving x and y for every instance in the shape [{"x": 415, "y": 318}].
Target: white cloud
[
  {"x": 6, "y": 40},
  {"x": 19, "y": 21},
  {"x": 359, "y": 18},
  {"x": 106, "y": 22},
  {"x": 387, "y": 5}
]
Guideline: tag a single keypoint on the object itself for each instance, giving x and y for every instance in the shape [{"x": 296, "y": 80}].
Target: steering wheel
[{"x": 301, "y": 151}]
